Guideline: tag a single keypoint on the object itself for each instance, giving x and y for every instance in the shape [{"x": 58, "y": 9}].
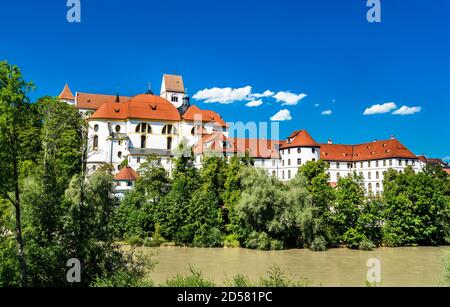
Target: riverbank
[{"x": 406, "y": 266}]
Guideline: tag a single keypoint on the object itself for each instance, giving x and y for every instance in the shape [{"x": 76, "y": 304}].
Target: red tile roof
[
  {"x": 147, "y": 107},
  {"x": 174, "y": 83},
  {"x": 447, "y": 170},
  {"x": 66, "y": 93},
  {"x": 256, "y": 148},
  {"x": 369, "y": 151},
  {"x": 127, "y": 174},
  {"x": 95, "y": 101},
  {"x": 204, "y": 116},
  {"x": 299, "y": 138}
]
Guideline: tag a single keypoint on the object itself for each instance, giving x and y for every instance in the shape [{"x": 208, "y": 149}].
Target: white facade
[{"x": 293, "y": 158}]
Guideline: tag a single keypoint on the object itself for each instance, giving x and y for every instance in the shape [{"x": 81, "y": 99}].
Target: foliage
[{"x": 194, "y": 279}]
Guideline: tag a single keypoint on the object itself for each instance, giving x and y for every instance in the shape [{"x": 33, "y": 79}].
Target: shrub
[
  {"x": 231, "y": 241},
  {"x": 134, "y": 240},
  {"x": 276, "y": 245},
  {"x": 194, "y": 279},
  {"x": 319, "y": 244},
  {"x": 366, "y": 245}
]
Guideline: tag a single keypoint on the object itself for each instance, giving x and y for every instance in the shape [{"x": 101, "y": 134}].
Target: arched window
[
  {"x": 370, "y": 188},
  {"x": 119, "y": 155},
  {"x": 378, "y": 185},
  {"x": 95, "y": 143},
  {"x": 283, "y": 174},
  {"x": 378, "y": 175},
  {"x": 117, "y": 128},
  {"x": 143, "y": 141},
  {"x": 299, "y": 150},
  {"x": 169, "y": 143},
  {"x": 289, "y": 174},
  {"x": 143, "y": 128},
  {"x": 369, "y": 175},
  {"x": 96, "y": 128},
  {"x": 169, "y": 129}
]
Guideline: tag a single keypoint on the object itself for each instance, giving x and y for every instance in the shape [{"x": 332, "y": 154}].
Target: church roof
[
  {"x": 174, "y": 83},
  {"x": 95, "y": 101},
  {"x": 127, "y": 174},
  {"x": 146, "y": 107},
  {"x": 66, "y": 93}
]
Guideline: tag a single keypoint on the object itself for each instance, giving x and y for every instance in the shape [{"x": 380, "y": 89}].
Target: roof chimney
[{"x": 330, "y": 142}]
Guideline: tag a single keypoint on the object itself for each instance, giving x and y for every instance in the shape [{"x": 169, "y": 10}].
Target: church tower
[
  {"x": 172, "y": 89},
  {"x": 67, "y": 95}
]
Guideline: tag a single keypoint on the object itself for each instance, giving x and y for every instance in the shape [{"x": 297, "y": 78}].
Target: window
[
  {"x": 329, "y": 175},
  {"x": 169, "y": 129},
  {"x": 299, "y": 161},
  {"x": 349, "y": 165},
  {"x": 378, "y": 185},
  {"x": 376, "y": 164},
  {"x": 274, "y": 173},
  {"x": 313, "y": 150},
  {"x": 143, "y": 141},
  {"x": 384, "y": 162},
  {"x": 370, "y": 188},
  {"x": 138, "y": 159},
  {"x": 283, "y": 174},
  {"x": 299, "y": 150},
  {"x": 354, "y": 165},
  {"x": 377, "y": 175},
  {"x": 130, "y": 183},
  {"x": 314, "y": 160},
  {"x": 413, "y": 162},
  {"x": 368, "y": 164},
  {"x": 338, "y": 176},
  {"x": 143, "y": 128},
  {"x": 119, "y": 154},
  {"x": 174, "y": 98},
  {"x": 289, "y": 151},
  {"x": 361, "y": 174},
  {"x": 120, "y": 143},
  {"x": 96, "y": 128},
  {"x": 338, "y": 165},
  {"x": 282, "y": 163},
  {"x": 117, "y": 128},
  {"x": 95, "y": 143},
  {"x": 400, "y": 162},
  {"x": 274, "y": 163},
  {"x": 289, "y": 174},
  {"x": 369, "y": 175},
  {"x": 390, "y": 162},
  {"x": 169, "y": 143},
  {"x": 289, "y": 162},
  {"x": 362, "y": 164}
]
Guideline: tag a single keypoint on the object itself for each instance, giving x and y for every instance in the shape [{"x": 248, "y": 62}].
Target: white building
[{"x": 134, "y": 128}]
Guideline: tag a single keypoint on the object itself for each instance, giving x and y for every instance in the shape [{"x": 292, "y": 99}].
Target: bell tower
[{"x": 172, "y": 89}]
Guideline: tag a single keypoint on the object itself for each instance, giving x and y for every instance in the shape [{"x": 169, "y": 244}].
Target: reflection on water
[{"x": 411, "y": 266}]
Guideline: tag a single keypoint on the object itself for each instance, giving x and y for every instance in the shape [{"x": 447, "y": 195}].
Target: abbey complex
[{"x": 135, "y": 128}]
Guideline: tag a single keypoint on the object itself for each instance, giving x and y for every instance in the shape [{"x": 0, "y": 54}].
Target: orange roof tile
[
  {"x": 299, "y": 138},
  {"x": 95, "y": 101},
  {"x": 258, "y": 148},
  {"x": 205, "y": 116},
  {"x": 363, "y": 152},
  {"x": 66, "y": 93},
  {"x": 447, "y": 170},
  {"x": 127, "y": 174},
  {"x": 147, "y": 107}
]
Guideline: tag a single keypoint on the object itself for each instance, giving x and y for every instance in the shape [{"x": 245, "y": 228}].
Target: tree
[
  {"x": 417, "y": 208},
  {"x": 16, "y": 118},
  {"x": 322, "y": 197}
]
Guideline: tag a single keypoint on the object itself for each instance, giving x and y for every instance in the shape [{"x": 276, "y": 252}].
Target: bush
[
  {"x": 134, "y": 240},
  {"x": 319, "y": 244},
  {"x": 276, "y": 277},
  {"x": 276, "y": 245},
  {"x": 353, "y": 238},
  {"x": 231, "y": 241},
  {"x": 208, "y": 238},
  {"x": 366, "y": 245},
  {"x": 194, "y": 279},
  {"x": 258, "y": 241}
]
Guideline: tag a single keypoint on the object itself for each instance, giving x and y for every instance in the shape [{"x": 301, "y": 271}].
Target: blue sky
[{"x": 325, "y": 49}]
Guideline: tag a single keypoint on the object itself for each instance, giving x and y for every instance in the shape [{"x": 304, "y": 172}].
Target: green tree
[{"x": 16, "y": 118}]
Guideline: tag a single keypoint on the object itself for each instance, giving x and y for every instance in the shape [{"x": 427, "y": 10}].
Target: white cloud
[
  {"x": 405, "y": 110},
  {"x": 283, "y": 115},
  {"x": 380, "y": 108},
  {"x": 288, "y": 98},
  {"x": 254, "y": 103},
  {"x": 223, "y": 95},
  {"x": 327, "y": 112},
  {"x": 267, "y": 93}
]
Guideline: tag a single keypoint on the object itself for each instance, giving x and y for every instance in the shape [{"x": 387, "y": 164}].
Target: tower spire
[{"x": 149, "y": 91}]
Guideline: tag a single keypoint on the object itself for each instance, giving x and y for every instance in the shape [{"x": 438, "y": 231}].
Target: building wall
[{"x": 293, "y": 158}]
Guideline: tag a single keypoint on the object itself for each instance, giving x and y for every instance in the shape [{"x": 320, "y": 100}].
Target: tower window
[
  {"x": 117, "y": 128},
  {"x": 313, "y": 150},
  {"x": 95, "y": 143},
  {"x": 96, "y": 128},
  {"x": 169, "y": 143},
  {"x": 119, "y": 154},
  {"x": 174, "y": 98},
  {"x": 299, "y": 161}
]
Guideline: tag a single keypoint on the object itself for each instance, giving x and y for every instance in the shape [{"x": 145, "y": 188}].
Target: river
[{"x": 408, "y": 266}]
